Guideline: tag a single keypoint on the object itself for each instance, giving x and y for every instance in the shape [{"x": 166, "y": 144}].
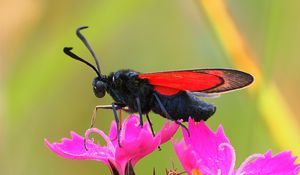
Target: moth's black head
[{"x": 99, "y": 87}]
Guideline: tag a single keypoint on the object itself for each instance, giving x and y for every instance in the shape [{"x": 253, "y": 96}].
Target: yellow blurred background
[{"x": 45, "y": 94}]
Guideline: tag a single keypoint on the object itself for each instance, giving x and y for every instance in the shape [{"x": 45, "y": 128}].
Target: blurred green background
[{"x": 45, "y": 94}]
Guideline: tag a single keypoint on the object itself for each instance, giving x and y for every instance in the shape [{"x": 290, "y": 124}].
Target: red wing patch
[
  {"x": 169, "y": 83},
  {"x": 165, "y": 90},
  {"x": 198, "y": 80}
]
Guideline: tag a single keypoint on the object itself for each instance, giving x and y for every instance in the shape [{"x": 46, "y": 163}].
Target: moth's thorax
[
  {"x": 121, "y": 79},
  {"x": 125, "y": 86},
  {"x": 120, "y": 84}
]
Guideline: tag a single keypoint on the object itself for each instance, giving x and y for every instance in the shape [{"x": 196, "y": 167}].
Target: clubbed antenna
[
  {"x": 85, "y": 42},
  {"x": 67, "y": 51}
]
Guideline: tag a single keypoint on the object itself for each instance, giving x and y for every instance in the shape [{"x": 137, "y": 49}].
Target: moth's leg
[
  {"x": 117, "y": 122},
  {"x": 167, "y": 114},
  {"x": 151, "y": 125},
  {"x": 120, "y": 117},
  {"x": 93, "y": 120},
  {"x": 138, "y": 102},
  {"x": 114, "y": 107}
]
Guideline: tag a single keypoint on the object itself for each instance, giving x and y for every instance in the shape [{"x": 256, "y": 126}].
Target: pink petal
[
  {"x": 168, "y": 130},
  {"x": 187, "y": 156},
  {"x": 74, "y": 149},
  {"x": 280, "y": 164},
  {"x": 131, "y": 128},
  {"x": 213, "y": 150},
  {"x": 136, "y": 142},
  {"x": 132, "y": 121},
  {"x": 113, "y": 133}
]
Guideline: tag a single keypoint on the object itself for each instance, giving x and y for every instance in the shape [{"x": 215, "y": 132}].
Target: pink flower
[
  {"x": 136, "y": 143},
  {"x": 209, "y": 153}
]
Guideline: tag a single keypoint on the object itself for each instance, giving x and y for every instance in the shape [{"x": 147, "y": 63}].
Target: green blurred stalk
[{"x": 274, "y": 110}]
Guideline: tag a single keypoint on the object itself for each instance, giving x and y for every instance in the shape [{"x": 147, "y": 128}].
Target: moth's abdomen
[{"x": 184, "y": 105}]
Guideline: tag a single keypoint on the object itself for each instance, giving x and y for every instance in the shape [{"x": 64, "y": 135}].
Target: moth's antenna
[
  {"x": 67, "y": 51},
  {"x": 82, "y": 38}
]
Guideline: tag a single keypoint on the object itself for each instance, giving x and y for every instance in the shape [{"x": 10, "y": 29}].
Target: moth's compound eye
[{"x": 99, "y": 88}]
